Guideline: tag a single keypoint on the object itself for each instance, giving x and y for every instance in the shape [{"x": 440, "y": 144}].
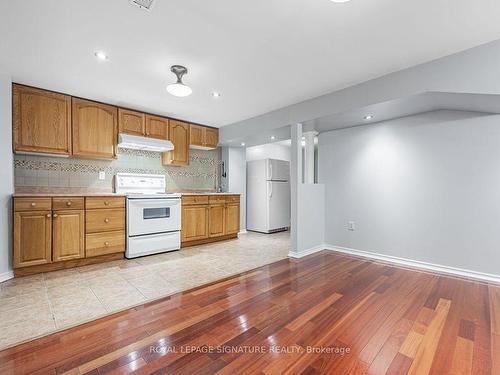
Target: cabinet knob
[
  {"x": 33, "y": 204},
  {"x": 49, "y": 215},
  {"x": 68, "y": 204},
  {"x": 106, "y": 203},
  {"x": 55, "y": 215},
  {"x": 106, "y": 244},
  {"x": 106, "y": 220}
]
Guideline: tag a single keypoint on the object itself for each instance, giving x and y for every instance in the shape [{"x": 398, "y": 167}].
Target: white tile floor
[{"x": 36, "y": 305}]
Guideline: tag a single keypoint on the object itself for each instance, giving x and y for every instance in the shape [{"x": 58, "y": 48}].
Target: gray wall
[
  {"x": 236, "y": 178},
  {"x": 6, "y": 177},
  {"x": 425, "y": 188}
]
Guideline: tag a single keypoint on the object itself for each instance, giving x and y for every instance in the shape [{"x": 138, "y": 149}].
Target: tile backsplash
[{"x": 48, "y": 171}]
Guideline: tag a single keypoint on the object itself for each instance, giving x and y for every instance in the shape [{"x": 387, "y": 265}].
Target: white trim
[
  {"x": 243, "y": 231},
  {"x": 303, "y": 253},
  {"x": 6, "y": 276},
  {"x": 417, "y": 264}
]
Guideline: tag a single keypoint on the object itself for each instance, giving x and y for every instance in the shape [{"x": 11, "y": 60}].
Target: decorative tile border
[{"x": 202, "y": 171}]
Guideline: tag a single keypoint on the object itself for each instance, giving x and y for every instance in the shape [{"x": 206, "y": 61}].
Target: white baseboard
[
  {"x": 6, "y": 276},
  {"x": 417, "y": 264},
  {"x": 303, "y": 253},
  {"x": 244, "y": 231}
]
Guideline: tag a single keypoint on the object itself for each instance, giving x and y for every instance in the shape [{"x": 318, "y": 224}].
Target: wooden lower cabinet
[
  {"x": 32, "y": 238},
  {"x": 48, "y": 237},
  {"x": 209, "y": 218},
  {"x": 68, "y": 235},
  {"x": 194, "y": 223},
  {"x": 232, "y": 218},
  {"x": 97, "y": 244},
  {"x": 217, "y": 220}
]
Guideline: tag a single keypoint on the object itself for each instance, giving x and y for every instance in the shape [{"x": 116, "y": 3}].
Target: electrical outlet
[
  {"x": 351, "y": 225},
  {"x": 102, "y": 175}
]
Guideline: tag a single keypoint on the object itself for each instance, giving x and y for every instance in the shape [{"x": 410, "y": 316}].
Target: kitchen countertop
[
  {"x": 69, "y": 192},
  {"x": 206, "y": 193}
]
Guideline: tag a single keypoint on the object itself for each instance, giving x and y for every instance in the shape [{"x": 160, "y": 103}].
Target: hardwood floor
[{"x": 323, "y": 314}]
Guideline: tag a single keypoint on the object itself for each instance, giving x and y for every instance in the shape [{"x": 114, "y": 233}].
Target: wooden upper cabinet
[
  {"x": 32, "y": 238},
  {"x": 179, "y": 136},
  {"x": 197, "y": 135},
  {"x": 211, "y": 137},
  {"x": 157, "y": 127},
  {"x": 95, "y": 128},
  {"x": 41, "y": 121},
  {"x": 202, "y": 137},
  {"x": 131, "y": 122},
  {"x": 68, "y": 235}
]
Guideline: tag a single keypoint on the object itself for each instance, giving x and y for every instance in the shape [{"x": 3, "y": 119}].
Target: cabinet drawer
[
  {"x": 195, "y": 199},
  {"x": 32, "y": 204},
  {"x": 97, "y": 244},
  {"x": 73, "y": 203},
  {"x": 104, "y": 202},
  {"x": 217, "y": 199},
  {"x": 233, "y": 199},
  {"x": 104, "y": 220}
]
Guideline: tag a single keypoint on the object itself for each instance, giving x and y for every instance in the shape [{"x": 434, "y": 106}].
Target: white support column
[
  {"x": 295, "y": 181},
  {"x": 309, "y": 156}
]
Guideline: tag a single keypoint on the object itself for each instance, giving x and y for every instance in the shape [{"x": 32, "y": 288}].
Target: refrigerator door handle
[
  {"x": 270, "y": 190},
  {"x": 270, "y": 170}
]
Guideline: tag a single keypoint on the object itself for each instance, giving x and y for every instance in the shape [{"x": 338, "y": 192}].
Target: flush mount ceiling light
[
  {"x": 178, "y": 88},
  {"x": 101, "y": 55},
  {"x": 368, "y": 117}
]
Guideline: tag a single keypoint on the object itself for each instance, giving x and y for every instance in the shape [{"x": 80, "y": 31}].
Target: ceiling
[
  {"x": 261, "y": 55},
  {"x": 389, "y": 110}
]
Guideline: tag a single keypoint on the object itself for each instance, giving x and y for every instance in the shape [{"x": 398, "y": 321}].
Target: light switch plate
[
  {"x": 102, "y": 175},
  {"x": 351, "y": 225}
]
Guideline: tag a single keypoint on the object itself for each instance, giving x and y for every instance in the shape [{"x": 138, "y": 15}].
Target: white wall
[
  {"x": 268, "y": 151},
  {"x": 6, "y": 177},
  {"x": 425, "y": 188},
  {"x": 236, "y": 178}
]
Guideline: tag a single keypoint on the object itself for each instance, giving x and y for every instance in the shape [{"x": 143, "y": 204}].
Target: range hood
[{"x": 143, "y": 143}]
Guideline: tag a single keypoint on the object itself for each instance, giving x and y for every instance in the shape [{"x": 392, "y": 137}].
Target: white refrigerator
[{"x": 268, "y": 195}]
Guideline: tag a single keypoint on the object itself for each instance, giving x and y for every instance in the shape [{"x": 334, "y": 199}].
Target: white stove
[{"x": 153, "y": 216}]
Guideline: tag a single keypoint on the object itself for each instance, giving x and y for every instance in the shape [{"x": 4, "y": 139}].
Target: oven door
[{"x": 149, "y": 216}]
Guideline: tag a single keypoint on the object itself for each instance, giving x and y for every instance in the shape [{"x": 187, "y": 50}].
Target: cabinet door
[
  {"x": 196, "y": 135},
  {"x": 131, "y": 122},
  {"x": 216, "y": 220},
  {"x": 232, "y": 218},
  {"x": 179, "y": 136},
  {"x": 211, "y": 137},
  {"x": 194, "y": 223},
  {"x": 94, "y": 130},
  {"x": 32, "y": 238},
  {"x": 68, "y": 235},
  {"x": 41, "y": 121},
  {"x": 157, "y": 127}
]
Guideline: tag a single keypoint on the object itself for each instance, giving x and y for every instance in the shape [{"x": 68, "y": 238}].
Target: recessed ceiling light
[
  {"x": 216, "y": 94},
  {"x": 101, "y": 55},
  {"x": 179, "y": 88},
  {"x": 368, "y": 117},
  {"x": 273, "y": 138},
  {"x": 243, "y": 143}
]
